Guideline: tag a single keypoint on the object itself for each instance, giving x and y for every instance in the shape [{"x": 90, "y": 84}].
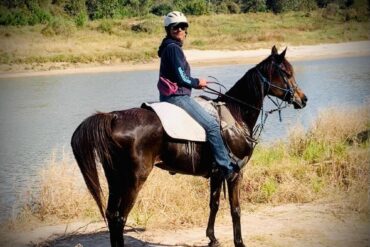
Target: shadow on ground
[{"x": 99, "y": 239}]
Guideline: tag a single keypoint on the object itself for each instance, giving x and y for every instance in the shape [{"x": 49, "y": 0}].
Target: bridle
[{"x": 266, "y": 85}]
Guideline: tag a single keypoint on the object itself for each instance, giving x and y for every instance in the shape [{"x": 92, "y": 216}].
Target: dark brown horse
[{"x": 131, "y": 142}]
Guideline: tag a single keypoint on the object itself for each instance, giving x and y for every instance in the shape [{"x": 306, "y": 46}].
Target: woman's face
[{"x": 178, "y": 31}]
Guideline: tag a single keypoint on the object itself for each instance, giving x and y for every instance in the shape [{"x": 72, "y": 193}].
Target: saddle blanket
[{"x": 177, "y": 123}]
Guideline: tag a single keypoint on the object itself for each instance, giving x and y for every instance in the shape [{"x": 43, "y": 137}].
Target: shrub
[
  {"x": 147, "y": 26},
  {"x": 74, "y": 7},
  {"x": 105, "y": 26},
  {"x": 254, "y": 6},
  {"x": 58, "y": 26},
  {"x": 161, "y": 9},
  {"x": 14, "y": 17},
  {"x": 98, "y": 9},
  {"x": 330, "y": 11},
  {"x": 195, "y": 7},
  {"x": 81, "y": 19}
]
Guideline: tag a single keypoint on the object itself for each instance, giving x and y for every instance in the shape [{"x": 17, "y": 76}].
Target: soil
[{"x": 303, "y": 225}]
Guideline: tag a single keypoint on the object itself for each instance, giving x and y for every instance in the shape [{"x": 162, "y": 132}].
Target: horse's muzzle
[{"x": 300, "y": 103}]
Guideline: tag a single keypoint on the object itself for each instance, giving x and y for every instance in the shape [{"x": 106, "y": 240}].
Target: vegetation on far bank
[
  {"x": 329, "y": 162},
  {"x": 64, "y": 39}
]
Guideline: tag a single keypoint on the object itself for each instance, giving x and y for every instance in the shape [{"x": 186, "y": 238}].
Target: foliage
[
  {"x": 58, "y": 26},
  {"x": 100, "y": 9},
  {"x": 254, "y": 6},
  {"x": 161, "y": 9},
  {"x": 278, "y": 6},
  {"x": 31, "y": 12},
  {"x": 81, "y": 19},
  {"x": 195, "y": 7},
  {"x": 26, "y": 15}
]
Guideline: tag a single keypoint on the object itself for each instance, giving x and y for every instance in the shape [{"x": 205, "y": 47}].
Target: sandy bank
[{"x": 217, "y": 57}]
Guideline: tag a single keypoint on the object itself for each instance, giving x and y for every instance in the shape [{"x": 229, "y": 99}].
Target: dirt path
[{"x": 287, "y": 225}]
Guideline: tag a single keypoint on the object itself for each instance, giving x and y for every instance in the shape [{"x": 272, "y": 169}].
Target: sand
[{"x": 215, "y": 57}]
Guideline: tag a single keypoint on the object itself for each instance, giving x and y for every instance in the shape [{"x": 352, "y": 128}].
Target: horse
[{"x": 129, "y": 143}]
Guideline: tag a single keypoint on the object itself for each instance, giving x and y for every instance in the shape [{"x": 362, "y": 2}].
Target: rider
[{"x": 175, "y": 68}]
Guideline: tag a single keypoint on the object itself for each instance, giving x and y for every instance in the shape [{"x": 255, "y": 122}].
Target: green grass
[{"x": 137, "y": 39}]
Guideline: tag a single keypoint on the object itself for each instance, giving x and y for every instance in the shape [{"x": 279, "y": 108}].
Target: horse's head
[{"x": 280, "y": 79}]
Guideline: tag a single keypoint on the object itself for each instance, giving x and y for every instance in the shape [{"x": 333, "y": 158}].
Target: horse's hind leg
[
  {"x": 122, "y": 197},
  {"x": 113, "y": 213},
  {"x": 216, "y": 182},
  {"x": 115, "y": 219}
]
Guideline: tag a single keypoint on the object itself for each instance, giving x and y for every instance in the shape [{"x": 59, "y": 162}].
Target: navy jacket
[{"x": 175, "y": 67}]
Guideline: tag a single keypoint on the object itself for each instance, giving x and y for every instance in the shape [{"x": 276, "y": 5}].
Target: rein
[{"x": 264, "y": 81}]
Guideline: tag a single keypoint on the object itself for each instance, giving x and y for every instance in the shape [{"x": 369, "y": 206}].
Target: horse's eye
[{"x": 287, "y": 74}]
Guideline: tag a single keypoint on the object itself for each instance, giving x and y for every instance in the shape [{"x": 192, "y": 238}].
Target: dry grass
[{"x": 325, "y": 163}]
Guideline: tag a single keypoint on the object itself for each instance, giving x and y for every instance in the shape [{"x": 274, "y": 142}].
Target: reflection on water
[{"x": 39, "y": 114}]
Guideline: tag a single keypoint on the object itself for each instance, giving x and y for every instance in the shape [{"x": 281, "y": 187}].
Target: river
[{"x": 39, "y": 114}]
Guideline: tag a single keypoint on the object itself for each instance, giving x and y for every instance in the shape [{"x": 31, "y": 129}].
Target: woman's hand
[{"x": 202, "y": 83}]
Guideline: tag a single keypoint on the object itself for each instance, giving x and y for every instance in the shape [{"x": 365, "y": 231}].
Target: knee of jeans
[{"x": 212, "y": 125}]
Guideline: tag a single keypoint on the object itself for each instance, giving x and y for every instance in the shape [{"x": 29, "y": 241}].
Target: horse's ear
[
  {"x": 274, "y": 51},
  {"x": 282, "y": 55}
]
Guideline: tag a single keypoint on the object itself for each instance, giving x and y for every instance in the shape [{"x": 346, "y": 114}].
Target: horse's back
[{"x": 138, "y": 125}]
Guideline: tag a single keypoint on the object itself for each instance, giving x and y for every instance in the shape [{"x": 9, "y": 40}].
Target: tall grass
[{"x": 327, "y": 162}]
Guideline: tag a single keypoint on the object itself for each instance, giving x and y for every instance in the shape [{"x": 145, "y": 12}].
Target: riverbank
[{"x": 211, "y": 58}]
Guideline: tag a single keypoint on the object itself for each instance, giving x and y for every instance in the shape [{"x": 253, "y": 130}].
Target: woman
[{"x": 175, "y": 68}]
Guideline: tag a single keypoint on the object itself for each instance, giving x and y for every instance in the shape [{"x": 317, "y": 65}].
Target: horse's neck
[{"x": 248, "y": 90}]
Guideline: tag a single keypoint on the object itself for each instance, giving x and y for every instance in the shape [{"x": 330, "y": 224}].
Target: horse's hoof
[
  {"x": 214, "y": 243},
  {"x": 240, "y": 245}
]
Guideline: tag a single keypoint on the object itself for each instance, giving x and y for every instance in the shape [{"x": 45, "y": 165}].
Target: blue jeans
[{"x": 209, "y": 123}]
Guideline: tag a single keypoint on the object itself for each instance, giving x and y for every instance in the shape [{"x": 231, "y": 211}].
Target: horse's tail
[{"x": 93, "y": 139}]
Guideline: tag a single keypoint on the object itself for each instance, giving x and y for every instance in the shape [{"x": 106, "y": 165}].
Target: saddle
[{"x": 178, "y": 124}]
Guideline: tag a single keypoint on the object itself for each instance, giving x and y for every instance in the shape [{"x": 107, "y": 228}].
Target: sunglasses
[{"x": 182, "y": 26}]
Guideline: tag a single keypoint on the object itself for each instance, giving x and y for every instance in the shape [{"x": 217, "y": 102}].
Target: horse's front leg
[
  {"x": 234, "y": 189},
  {"x": 214, "y": 203}
]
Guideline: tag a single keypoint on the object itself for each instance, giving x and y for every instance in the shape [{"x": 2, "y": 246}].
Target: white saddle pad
[{"x": 178, "y": 123}]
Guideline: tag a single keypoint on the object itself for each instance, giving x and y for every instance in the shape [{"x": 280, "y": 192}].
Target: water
[{"x": 39, "y": 114}]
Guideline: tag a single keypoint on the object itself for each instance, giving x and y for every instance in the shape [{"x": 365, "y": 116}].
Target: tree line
[{"x": 31, "y": 12}]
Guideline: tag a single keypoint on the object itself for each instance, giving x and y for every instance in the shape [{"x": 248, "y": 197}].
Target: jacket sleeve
[{"x": 179, "y": 65}]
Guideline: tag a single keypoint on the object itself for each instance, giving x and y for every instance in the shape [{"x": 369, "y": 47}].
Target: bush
[
  {"x": 74, "y": 7},
  {"x": 254, "y": 6},
  {"x": 58, "y": 26},
  {"x": 98, "y": 9},
  {"x": 279, "y": 6},
  {"x": 195, "y": 7},
  {"x": 14, "y": 17},
  {"x": 39, "y": 15},
  {"x": 161, "y": 9},
  {"x": 144, "y": 27},
  {"x": 330, "y": 11},
  {"x": 106, "y": 26},
  {"x": 24, "y": 16},
  {"x": 81, "y": 19}
]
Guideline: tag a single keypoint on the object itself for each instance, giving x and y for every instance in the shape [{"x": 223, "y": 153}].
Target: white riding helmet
[{"x": 174, "y": 17}]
